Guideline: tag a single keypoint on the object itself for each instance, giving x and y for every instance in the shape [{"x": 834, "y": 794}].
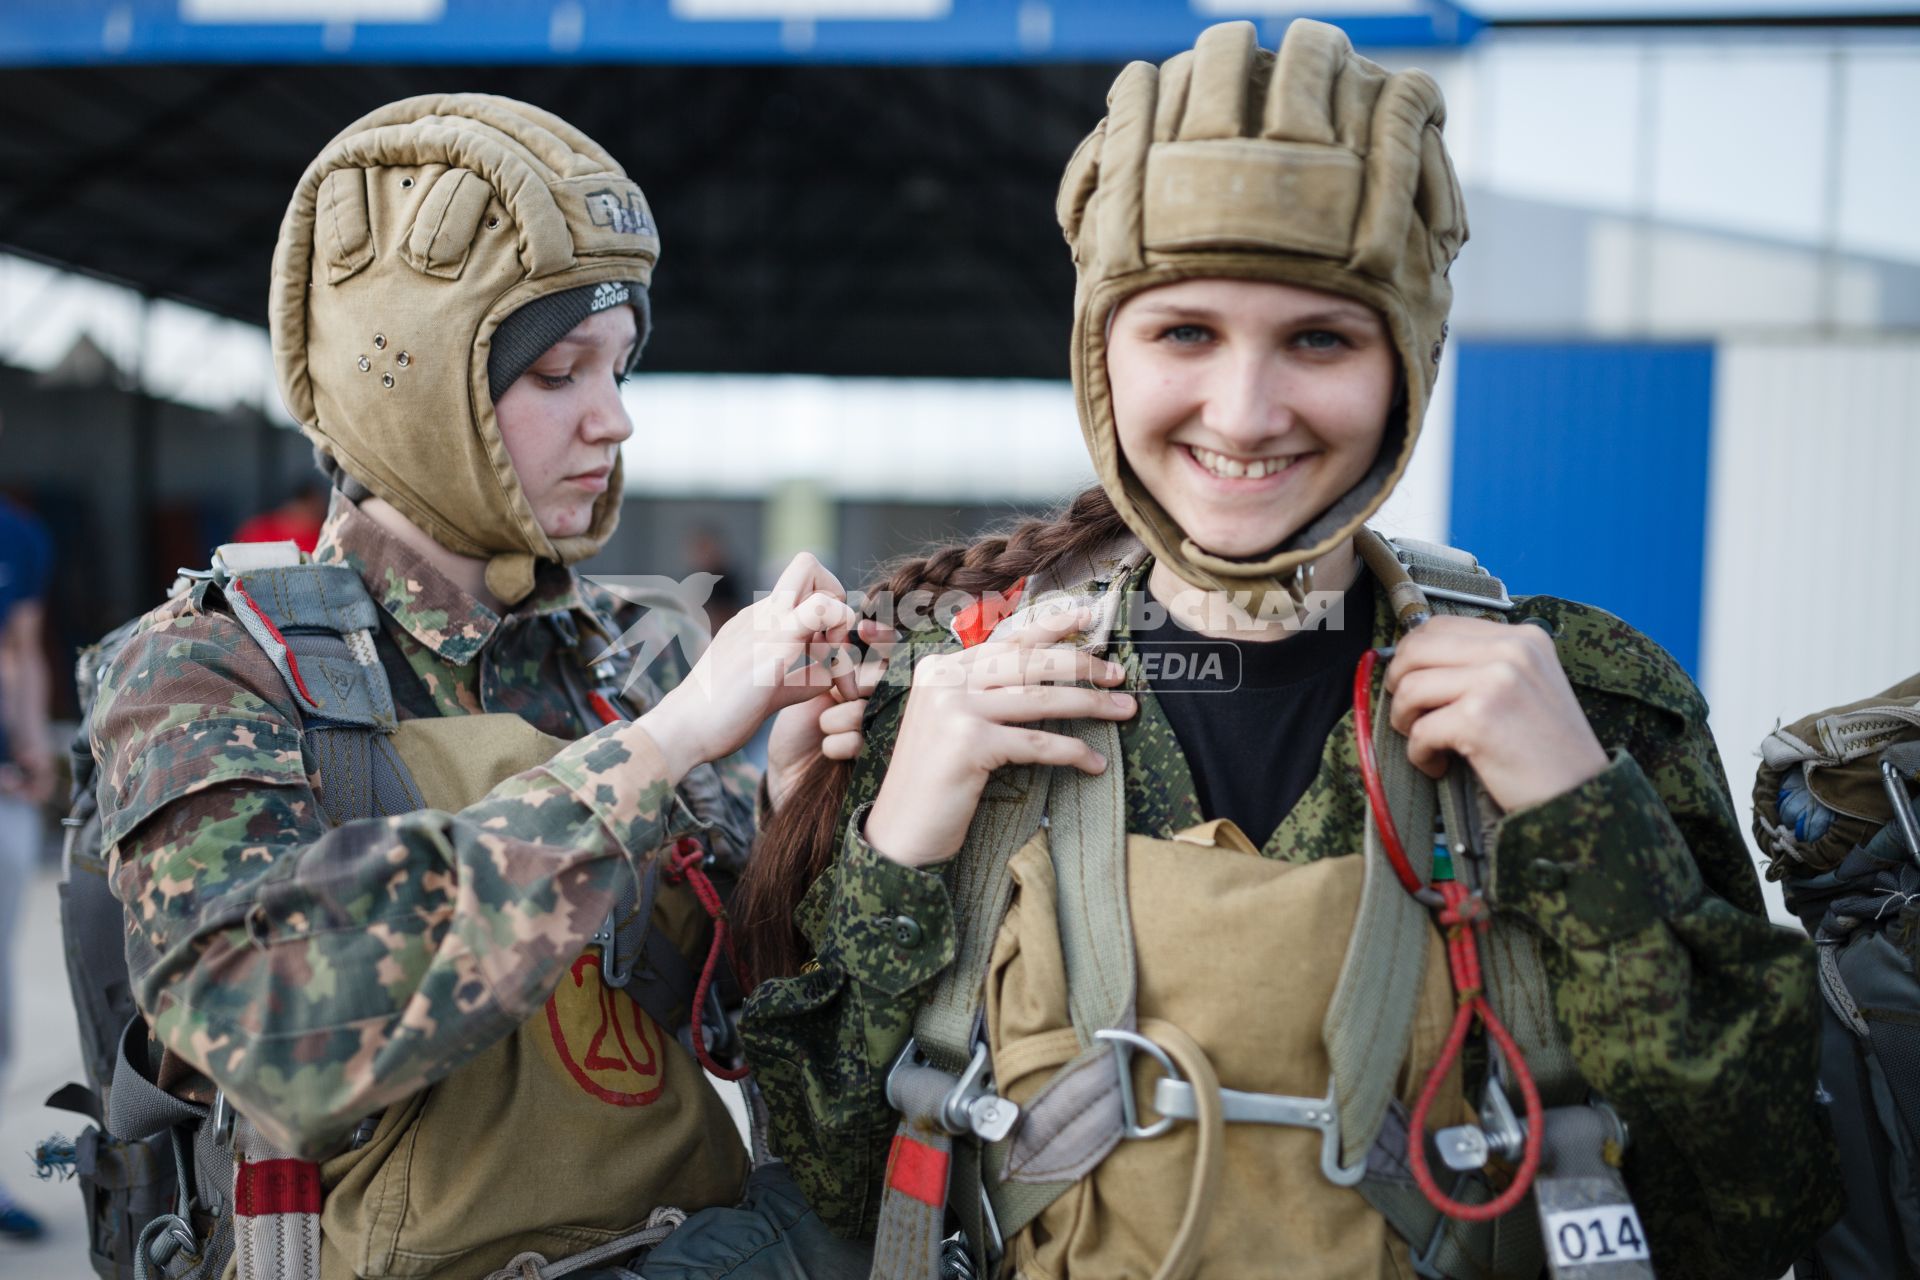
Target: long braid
[
  {"x": 997, "y": 561},
  {"x": 800, "y": 841}
]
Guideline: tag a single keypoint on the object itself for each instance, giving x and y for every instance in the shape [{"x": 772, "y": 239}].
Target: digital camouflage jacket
[
  {"x": 1683, "y": 1006},
  {"x": 318, "y": 975}
]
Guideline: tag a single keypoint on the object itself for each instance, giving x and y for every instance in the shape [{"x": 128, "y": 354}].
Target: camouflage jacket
[
  {"x": 1682, "y": 1004},
  {"x": 320, "y": 974}
]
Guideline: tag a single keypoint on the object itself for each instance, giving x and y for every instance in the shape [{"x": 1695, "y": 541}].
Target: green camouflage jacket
[
  {"x": 1682, "y": 1004},
  {"x": 318, "y": 975}
]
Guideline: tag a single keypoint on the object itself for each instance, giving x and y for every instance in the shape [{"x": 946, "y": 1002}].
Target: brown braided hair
[{"x": 800, "y": 840}]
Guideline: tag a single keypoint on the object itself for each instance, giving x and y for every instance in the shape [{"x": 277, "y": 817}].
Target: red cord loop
[
  {"x": 684, "y": 865},
  {"x": 1461, "y": 914}
]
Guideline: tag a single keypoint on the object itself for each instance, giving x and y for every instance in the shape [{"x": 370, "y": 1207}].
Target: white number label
[{"x": 1598, "y": 1233}]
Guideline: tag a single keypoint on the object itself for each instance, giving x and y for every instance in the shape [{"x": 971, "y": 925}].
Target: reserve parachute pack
[
  {"x": 156, "y": 1171},
  {"x": 1833, "y": 810},
  {"x": 971, "y": 1156}
]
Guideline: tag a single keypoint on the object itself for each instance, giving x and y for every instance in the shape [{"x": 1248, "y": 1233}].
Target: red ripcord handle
[
  {"x": 683, "y": 865},
  {"x": 1460, "y": 913}
]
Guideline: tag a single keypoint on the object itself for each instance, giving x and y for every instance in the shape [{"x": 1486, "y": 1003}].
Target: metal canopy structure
[
  {"x": 659, "y": 31},
  {"x": 821, "y": 212}
]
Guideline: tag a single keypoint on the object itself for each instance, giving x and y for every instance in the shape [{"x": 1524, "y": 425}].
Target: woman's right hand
[
  {"x": 971, "y": 712},
  {"x": 784, "y": 648}
]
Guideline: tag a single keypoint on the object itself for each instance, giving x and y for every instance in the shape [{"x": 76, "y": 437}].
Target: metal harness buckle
[
  {"x": 971, "y": 1106},
  {"x": 221, "y": 1119},
  {"x": 1173, "y": 1099},
  {"x": 607, "y": 938},
  {"x": 1466, "y": 1148}
]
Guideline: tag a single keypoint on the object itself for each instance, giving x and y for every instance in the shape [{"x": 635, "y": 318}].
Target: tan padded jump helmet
[
  {"x": 419, "y": 229},
  {"x": 1311, "y": 167}
]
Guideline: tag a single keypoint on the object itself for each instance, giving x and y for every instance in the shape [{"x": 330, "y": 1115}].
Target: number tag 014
[{"x": 1591, "y": 1230}]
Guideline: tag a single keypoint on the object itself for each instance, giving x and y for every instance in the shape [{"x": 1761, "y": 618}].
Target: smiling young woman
[{"x": 1262, "y": 242}]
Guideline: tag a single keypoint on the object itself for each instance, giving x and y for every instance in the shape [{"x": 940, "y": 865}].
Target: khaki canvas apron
[
  {"x": 1241, "y": 953},
  {"x": 562, "y": 1136}
]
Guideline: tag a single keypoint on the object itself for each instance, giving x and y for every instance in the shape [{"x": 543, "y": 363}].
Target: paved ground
[{"x": 48, "y": 1056}]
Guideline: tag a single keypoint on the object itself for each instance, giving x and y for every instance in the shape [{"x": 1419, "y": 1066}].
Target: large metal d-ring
[{"x": 1124, "y": 1044}]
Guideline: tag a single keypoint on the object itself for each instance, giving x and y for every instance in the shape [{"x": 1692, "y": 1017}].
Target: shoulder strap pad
[
  {"x": 1450, "y": 580},
  {"x": 315, "y": 621}
]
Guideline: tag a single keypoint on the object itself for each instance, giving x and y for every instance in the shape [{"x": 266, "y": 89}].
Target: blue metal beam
[{"x": 68, "y": 32}]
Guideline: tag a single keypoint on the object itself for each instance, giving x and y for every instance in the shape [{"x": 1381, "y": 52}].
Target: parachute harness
[
  {"x": 687, "y": 865},
  {"x": 1461, "y": 913}
]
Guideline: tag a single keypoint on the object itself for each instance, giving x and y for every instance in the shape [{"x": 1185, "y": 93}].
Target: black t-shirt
[{"x": 1252, "y": 717}]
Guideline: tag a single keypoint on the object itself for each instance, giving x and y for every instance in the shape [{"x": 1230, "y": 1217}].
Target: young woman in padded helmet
[
  {"x": 1262, "y": 244},
  {"x": 410, "y": 1003}
]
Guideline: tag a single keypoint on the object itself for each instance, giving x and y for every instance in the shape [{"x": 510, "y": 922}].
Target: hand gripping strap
[
  {"x": 1089, "y": 848},
  {"x": 1426, "y": 578}
]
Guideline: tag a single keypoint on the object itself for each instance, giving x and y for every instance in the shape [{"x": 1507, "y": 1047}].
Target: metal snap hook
[{"x": 1124, "y": 1044}]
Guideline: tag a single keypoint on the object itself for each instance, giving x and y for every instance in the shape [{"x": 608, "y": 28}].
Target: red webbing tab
[
  {"x": 976, "y": 622},
  {"x": 293, "y": 667},
  {"x": 918, "y": 1170},
  {"x": 604, "y": 708},
  {"x": 276, "y": 1186}
]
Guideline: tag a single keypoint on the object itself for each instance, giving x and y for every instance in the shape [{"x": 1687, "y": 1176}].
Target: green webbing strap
[
  {"x": 1510, "y": 957},
  {"x": 1076, "y": 1118},
  {"x": 980, "y": 888},
  {"x": 1441, "y": 580},
  {"x": 1088, "y": 836},
  {"x": 1085, "y": 811},
  {"x": 1369, "y": 1021}
]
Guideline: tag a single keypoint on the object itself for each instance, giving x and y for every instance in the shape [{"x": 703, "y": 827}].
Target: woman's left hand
[
  {"x": 828, "y": 725},
  {"x": 1496, "y": 696}
]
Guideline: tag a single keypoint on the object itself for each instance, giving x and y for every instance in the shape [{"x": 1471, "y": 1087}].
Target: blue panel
[
  {"x": 1580, "y": 470},
  {"x": 34, "y": 32}
]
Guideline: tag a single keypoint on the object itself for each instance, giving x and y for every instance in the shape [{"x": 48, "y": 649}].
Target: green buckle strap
[
  {"x": 942, "y": 1080},
  {"x": 1426, "y": 578}
]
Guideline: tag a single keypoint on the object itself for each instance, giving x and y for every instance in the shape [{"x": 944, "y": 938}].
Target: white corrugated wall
[{"x": 1813, "y": 535}]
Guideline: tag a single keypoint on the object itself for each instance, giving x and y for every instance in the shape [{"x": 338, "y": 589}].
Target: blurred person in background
[
  {"x": 26, "y": 762},
  {"x": 1833, "y": 811},
  {"x": 421, "y": 869},
  {"x": 297, "y": 520},
  {"x": 1262, "y": 243}
]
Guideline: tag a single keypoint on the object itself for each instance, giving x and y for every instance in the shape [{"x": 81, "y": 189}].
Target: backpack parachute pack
[
  {"x": 1833, "y": 809},
  {"x": 156, "y": 1171}
]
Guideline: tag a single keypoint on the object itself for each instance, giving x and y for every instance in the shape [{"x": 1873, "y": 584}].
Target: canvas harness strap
[{"x": 960, "y": 1147}]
